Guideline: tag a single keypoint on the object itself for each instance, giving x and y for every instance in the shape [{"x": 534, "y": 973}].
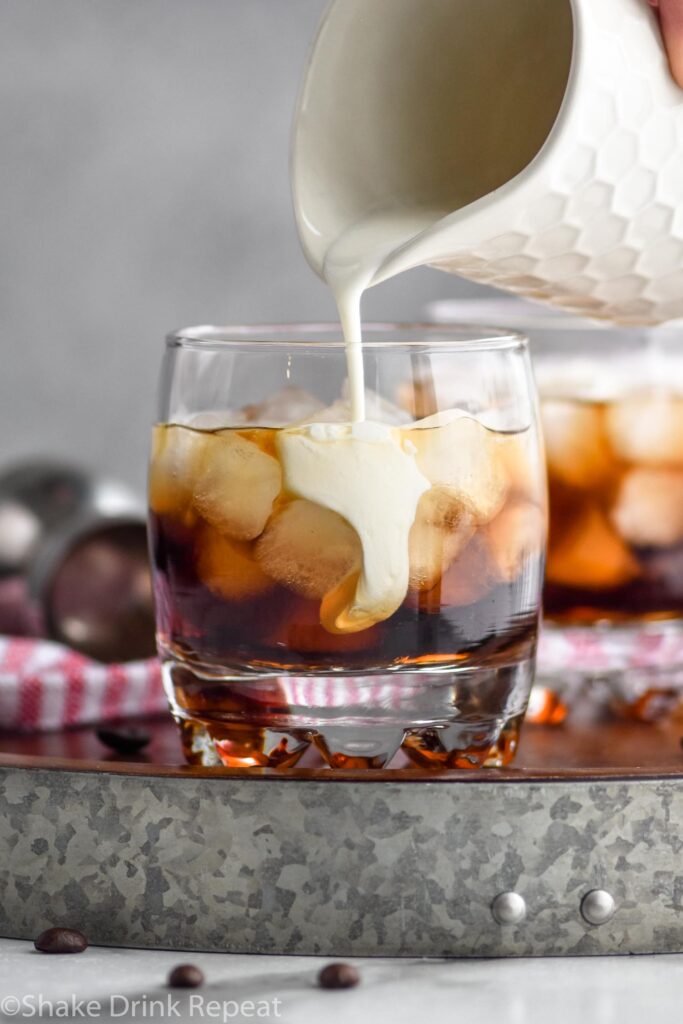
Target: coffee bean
[
  {"x": 125, "y": 739},
  {"x": 185, "y": 976},
  {"x": 338, "y": 976},
  {"x": 61, "y": 940}
]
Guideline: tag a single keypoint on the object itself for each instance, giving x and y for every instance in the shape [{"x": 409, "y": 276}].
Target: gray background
[{"x": 144, "y": 186}]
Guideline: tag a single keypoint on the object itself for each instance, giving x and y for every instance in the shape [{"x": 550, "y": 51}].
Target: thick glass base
[
  {"x": 464, "y": 718},
  {"x": 632, "y": 671}
]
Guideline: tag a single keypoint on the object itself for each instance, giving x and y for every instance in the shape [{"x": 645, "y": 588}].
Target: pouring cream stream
[{"x": 363, "y": 470}]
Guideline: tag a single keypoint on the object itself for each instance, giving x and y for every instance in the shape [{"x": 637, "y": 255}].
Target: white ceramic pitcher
[{"x": 546, "y": 136}]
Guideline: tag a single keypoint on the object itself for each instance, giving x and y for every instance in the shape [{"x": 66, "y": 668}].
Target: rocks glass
[
  {"x": 612, "y": 410},
  {"x": 408, "y": 621}
]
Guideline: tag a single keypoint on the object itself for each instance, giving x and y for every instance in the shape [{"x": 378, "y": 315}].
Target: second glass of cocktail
[{"x": 362, "y": 588}]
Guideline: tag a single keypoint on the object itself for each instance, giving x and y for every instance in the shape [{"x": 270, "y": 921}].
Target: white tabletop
[{"x": 605, "y": 990}]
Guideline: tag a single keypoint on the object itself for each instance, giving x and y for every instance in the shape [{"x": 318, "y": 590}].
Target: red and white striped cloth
[
  {"x": 656, "y": 646},
  {"x": 44, "y": 685}
]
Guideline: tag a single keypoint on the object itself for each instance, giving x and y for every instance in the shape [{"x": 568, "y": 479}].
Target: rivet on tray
[
  {"x": 597, "y": 906},
  {"x": 508, "y": 908}
]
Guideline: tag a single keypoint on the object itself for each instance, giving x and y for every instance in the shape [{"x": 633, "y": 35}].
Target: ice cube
[
  {"x": 455, "y": 452},
  {"x": 217, "y": 419},
  {"x": 338, "y": 412},
  {"x": 177, "y": 460},
  {"x": 416, "y": 397},
  {"x": 309, "y": 549},
  {"x": 470, "y": 577},
  {"x": 443, "y": 508},
  {"x": 431, "y": 551},
  {"x": 590, "y": 554},
  {"x": 576, "y": 443},
  {"x": 377, "y": 408},
  {"x": 229, "y": 568},
  {"x": 443, "y": 526},
  {"x": 516, "y": 535},
  {"x": 284, "y": 408},
  {"x": 647, "y": 430},
  {"x": 237, "y": 486},
  {"x": 523, "y": 464},
  {"x": 648, "y": 511}
]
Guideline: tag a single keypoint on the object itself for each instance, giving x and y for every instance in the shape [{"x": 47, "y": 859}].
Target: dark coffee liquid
[{"x": 281, "y": 631}]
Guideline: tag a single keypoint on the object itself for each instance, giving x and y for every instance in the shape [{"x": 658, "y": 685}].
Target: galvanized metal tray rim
[{"x": 307, "y": 775}]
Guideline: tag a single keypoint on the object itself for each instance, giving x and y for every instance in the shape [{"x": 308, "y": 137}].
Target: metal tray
[{"x": 575, "y": 850}]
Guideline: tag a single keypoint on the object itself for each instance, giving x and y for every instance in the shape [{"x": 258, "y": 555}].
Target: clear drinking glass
[
  {"x": 612, "y": 411},
  {"x": 250, "y": 574}
]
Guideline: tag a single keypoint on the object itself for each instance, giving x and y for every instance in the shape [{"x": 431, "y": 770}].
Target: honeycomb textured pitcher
[{"x": 546, "y": 135}]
